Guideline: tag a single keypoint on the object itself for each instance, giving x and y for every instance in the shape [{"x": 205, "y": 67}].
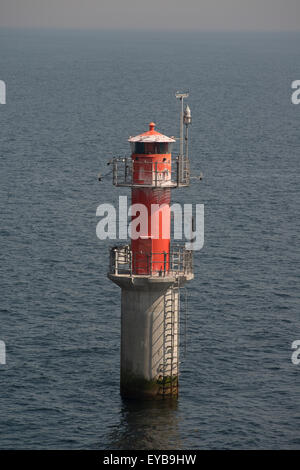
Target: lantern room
[
  {"x": 151, "y": 157},
  {"x": 151, "y": 142}
]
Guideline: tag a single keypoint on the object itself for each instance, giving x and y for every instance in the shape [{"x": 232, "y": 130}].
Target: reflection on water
[{"x": 146, "y": 425}]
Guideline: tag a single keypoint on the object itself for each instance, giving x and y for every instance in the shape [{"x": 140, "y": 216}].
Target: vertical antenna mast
[
  {"x": 181, "y": 97},
  {"x": 187, "y": 119}
]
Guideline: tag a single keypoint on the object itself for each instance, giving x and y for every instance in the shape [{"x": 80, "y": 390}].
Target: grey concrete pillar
[{"x": 149, "y": 340}]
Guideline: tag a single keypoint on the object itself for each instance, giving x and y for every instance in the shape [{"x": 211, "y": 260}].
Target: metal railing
[
  {"x": 132, "y": 173},
  {"x": 178, "y": 261}
]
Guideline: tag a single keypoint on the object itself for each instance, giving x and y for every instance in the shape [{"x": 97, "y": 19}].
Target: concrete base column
[{"x": 149, "y": 341}]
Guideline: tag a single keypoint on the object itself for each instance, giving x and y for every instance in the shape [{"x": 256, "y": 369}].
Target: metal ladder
[
  {"x": 176, "y": 262},
  {"x": 169, "y": 382}
]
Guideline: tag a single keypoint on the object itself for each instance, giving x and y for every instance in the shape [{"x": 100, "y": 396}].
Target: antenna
[
  {"x": 181, "y": 97},
  {"x": 187, "y": 119}
]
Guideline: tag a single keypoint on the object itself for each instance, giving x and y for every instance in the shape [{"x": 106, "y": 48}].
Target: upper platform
[
  {"x": 155, "y": 175},
  {"x": 151, "y": 164}
]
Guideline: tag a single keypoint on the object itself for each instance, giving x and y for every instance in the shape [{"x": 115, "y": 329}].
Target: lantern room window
[{"x": 144, "y": 148}]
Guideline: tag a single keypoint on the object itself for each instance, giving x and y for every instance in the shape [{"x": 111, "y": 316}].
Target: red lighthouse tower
[
  {"x": 151, "y": 159},
  {"x": 150, "y": 271}
]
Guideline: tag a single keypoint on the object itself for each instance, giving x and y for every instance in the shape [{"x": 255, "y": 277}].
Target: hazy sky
[{"x": 153, "y": 14}]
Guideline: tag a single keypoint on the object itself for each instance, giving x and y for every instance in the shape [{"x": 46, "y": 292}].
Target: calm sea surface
[{"x": 73, "y": 98}]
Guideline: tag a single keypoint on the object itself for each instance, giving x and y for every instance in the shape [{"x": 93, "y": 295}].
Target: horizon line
[{"x": 143, "y": 30}]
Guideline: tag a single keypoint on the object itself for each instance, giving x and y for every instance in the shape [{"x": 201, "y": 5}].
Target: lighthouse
[{"x": 151, "y": 270}]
